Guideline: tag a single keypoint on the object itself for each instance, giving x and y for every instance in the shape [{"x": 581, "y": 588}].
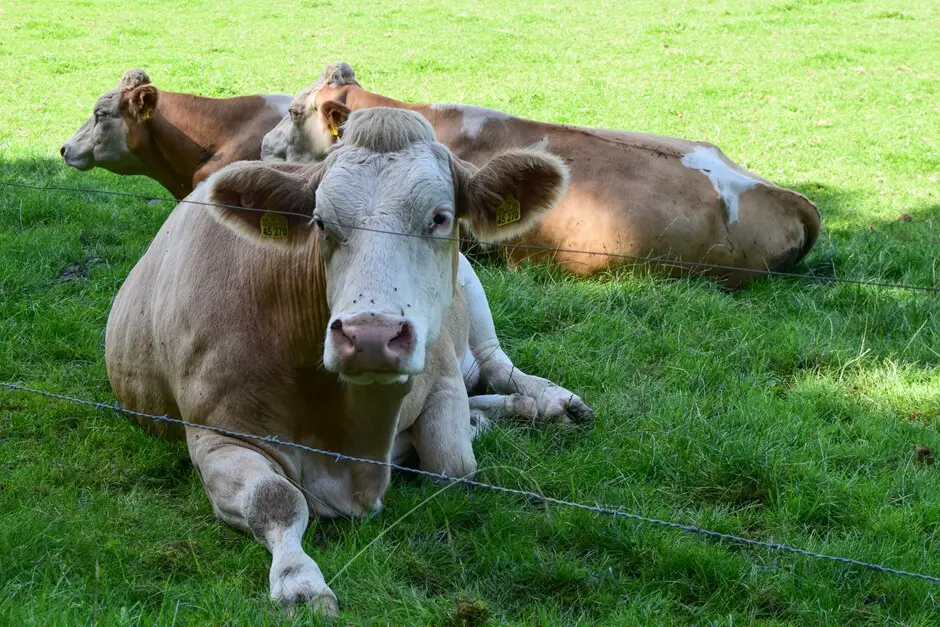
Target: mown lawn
[{"x": 789, "y": 411}]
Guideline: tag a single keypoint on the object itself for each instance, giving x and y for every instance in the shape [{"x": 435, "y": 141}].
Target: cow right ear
[
  {"x": 333, "y": 115},
  {"x": 268, "y": 202},
  {"x": 142, "y": 102}
]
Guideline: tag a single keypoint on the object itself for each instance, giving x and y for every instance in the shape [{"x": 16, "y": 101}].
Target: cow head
[
  {"x": 314, "y": 120},
  {"x": 381, "y": 213},
  {"x": 107, "y": 138}
]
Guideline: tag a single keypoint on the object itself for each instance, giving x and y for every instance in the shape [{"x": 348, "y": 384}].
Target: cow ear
[
  {"x": 510, "y": 194},
  {"x": 269, "y": 202},
  {"x": 142, "y": 102},
  {"x": 334, "y": 114}
]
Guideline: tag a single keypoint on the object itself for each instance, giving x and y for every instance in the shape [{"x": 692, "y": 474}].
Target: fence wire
[
  {"x": 532, "y": 496},
  {"x": 664, "y": 262}
]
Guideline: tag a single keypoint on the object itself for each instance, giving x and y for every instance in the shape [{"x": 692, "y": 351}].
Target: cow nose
[
  {"x": 62, "y": 151},
  {"x": 372, "y": 342}
]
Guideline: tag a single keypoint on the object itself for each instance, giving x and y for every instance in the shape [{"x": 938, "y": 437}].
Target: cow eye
[
  {"x": 319, "y": 222},
  {"x": 440, "y": 220}
]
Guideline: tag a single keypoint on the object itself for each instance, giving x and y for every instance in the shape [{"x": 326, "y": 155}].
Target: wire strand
[
  {"x": 600, "y": 509},
  {"x": 676, "y": 263}
]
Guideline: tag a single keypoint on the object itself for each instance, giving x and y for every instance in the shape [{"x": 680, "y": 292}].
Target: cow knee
[{"x": 274, "y": 505}]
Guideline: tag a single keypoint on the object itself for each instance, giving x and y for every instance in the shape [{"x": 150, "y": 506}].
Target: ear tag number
[
  {"x": 508, "y": 211},
  {"x": 274, "y": 225}
]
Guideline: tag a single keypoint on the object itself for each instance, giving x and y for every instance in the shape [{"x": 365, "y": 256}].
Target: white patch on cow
[
  {"x": 728, "y": 183},
  {"x": 541, "y": 144},
  {"x": 279, "y": 101},
  {"x": 473, "y": 118}
]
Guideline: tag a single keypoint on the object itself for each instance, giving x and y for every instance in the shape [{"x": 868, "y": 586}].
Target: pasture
[{"x": 789, "y": 411}]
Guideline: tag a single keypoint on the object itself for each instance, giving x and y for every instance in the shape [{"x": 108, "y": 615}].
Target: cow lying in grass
[
  {"x": 318, "y": 332},
  {"x": 631, "y": 194},
  {"x": 176, "y": 139},
  {"x": 180, "y": 139}
]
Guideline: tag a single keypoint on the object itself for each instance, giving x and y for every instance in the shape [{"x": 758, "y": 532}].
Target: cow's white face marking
[
  {"x": 473, "y": 118},
  {"x": 728, "y": 183},
  {"x": 372, "y": 269},
  {"x": 102, "y": 140}
]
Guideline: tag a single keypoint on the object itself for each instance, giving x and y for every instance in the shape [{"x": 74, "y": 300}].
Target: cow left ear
[
  {"x": 510, "y": 194},
  {"x": 142, "y": 102},
  {"x": 334, "y": 114}
]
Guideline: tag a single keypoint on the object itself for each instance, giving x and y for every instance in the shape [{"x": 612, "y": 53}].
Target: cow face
[
  {"x": 107, "y": 138},
  {"x": 307, "y": 133},
  {"x": 383, "y": 211}
]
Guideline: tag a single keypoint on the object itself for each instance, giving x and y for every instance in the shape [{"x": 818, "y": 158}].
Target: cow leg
[
  {"x": 553, "y": 402},
  {"x": 443, "y": 434},
  {"x": 502, "y": 406},
  {"x": 250, "y": 492}
]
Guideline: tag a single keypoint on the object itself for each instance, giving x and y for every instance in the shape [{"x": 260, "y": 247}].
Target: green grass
[{"x": 789, "y": 411}]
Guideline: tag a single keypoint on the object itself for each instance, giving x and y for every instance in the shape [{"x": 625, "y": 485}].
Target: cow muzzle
[
  {"x": 79, "y": 162},
  {"x": 372, "y": 348}
]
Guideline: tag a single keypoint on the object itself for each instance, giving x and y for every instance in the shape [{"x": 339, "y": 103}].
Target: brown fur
[{"x": 629, "y": 195}]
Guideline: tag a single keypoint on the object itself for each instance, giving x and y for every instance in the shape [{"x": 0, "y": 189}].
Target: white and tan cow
[
  {"x": 176, "y": 139},
  {"x": 318, "y": 327},
  {"x": 136, "y": 129},
  {"x": 631, "y": 194}
]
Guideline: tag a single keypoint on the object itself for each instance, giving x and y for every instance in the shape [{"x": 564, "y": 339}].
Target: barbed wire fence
[
  {"x": 664, "y": 262},
  {"x": 606, "y": 510}
]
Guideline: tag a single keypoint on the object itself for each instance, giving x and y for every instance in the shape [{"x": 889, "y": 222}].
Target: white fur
[
  {"x": 374, "y": 272},
  {"x": 727, "y": 182},
  {"x": 540, "y": 145},
  {"x": 473, "y": 118},
  {"x": 279, "y": 101}
]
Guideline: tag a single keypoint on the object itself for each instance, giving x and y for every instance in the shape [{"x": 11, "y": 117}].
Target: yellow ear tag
[
  {"x": 334, "y": 131},
  {"x": 274, "y": 225},
  {"x": 509, "y": 211},
  {"x": 145, "y": 116}
]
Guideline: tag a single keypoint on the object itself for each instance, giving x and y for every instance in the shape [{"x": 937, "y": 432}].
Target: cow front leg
[
  {"x": 490, "y": 363},
  {"x": 250, "y": 492},
  {"x": 443, "y": 434}
]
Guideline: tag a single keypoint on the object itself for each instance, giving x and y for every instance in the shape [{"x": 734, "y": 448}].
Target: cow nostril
[
  {"x": 403, "y": 343},
  {"x": 337, "y": 325},
  {"x": 62, "y": 150}
]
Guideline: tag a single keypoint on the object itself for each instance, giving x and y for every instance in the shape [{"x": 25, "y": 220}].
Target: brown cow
[
  {"x": 631, "y": 194},
  {"x": 176, "y": 139},
  {"x": 318, "y": 327}
]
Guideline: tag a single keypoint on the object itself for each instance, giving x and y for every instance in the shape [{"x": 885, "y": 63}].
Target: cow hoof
[
  {"x": 301, "y": 583},
  {"x": 479, "y": 423},
  {"x": 564, "y": 407}
]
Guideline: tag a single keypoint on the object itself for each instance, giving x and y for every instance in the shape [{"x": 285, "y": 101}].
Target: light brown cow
[
  {"x": 318, "y": 327},
  {"x": 176, "y": 139},
  {"x": 631, "y": 194},
  {"x": 236, "y": 126}
]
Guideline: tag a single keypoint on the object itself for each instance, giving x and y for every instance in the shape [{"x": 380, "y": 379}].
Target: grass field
[{"x": 789, "y": 411}]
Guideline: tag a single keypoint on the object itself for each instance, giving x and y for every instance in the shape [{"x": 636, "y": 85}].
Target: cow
[
  {"x": 633, "y": 197},
  {"x": 286, "y": 308},
  {"x": 135, "y": 131},
  {"x": 178, "y": 140}
]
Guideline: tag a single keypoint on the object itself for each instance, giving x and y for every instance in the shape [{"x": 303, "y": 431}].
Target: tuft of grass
[{"x": 789, "y": 411}]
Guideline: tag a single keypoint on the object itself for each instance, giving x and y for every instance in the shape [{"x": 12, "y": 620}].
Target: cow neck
[
  {"x": 298, "y": 287},
  {"x": 187, "y": 131}
]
